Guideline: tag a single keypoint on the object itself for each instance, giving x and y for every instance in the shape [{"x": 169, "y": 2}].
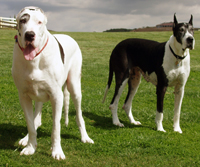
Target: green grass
[{"x": 114, "y": 146}]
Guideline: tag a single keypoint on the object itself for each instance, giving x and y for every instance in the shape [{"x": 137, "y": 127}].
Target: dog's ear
[
  {"x": 175, "y": 20},
  {"x": 45, "y": 19},
  {"x": 175, "y": 23},
  {"x": 191, "y": 20},
  {"x": 18, "y": 17}
]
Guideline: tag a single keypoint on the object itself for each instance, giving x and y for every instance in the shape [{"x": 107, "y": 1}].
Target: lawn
[{"x": 114, "y": 146}]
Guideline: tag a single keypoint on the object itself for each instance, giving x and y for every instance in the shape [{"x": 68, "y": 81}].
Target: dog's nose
[
  {"x": 29, "y": 36},
  {"x": 190, "y": 40}
]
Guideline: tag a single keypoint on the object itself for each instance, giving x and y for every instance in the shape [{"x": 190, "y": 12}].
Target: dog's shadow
[
  {"x": 10, "y": 134},
  {"x": 104, "y": 122}
]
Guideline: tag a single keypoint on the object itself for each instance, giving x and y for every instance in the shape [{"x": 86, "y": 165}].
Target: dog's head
[
  {"x": 31, "y": 26},
  {"x": 183, "y": 32}
]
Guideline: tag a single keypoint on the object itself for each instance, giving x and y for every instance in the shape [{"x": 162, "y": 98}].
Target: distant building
[{"x": 166, "y": 24}]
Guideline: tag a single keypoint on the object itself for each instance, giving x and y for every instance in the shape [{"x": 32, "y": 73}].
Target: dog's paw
[
  {"x": 136, "y": 123},
  {"x": 57, "y": 153},
  {"x": 161, "y": 130},
  {"x": 87, "y": 140},
  {"x": 24, "y": 141},
  {"x": 119, "y": 124},
  {"x": 160, "y": 127},
  {"x": 178, "y": 129},
  {"x": 28, "y": 150}
]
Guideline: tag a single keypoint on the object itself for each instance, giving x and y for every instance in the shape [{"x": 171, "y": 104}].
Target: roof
[{"x": 166, "y": 24}]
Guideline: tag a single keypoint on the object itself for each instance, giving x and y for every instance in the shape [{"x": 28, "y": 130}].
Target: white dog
[{"x": 42, "y": 64}]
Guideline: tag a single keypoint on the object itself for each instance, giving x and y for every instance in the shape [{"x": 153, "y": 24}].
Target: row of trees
[{"x": 119, "y": 30}]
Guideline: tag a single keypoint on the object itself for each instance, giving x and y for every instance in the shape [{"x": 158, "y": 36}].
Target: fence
[{"x": 6, "y": 22}]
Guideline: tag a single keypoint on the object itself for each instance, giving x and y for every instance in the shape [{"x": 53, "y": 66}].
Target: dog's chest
[
  {"x": 176, "y": 71},
  {"x": 177, "y": 75},
  {"x": 36, "y": 86},
  {"x": 174, "y": 75}
]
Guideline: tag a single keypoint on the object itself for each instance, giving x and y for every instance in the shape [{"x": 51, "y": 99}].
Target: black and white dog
[{"x": 162, "y": 64}]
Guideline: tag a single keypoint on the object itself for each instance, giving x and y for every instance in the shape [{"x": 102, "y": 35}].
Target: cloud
[{"x": 100, "y": 15}]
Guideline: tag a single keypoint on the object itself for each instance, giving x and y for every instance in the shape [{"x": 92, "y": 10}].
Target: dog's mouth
[
  {"x": 191, "y": 47},
  {"x": 190, "y": 43},
  {"x": 30, "y": 51}
]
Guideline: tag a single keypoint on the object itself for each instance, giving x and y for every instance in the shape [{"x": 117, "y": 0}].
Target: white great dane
[{"x": 42, "y": 65}]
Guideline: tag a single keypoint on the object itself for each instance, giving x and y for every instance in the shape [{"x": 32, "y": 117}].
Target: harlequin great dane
[
  {"x": 42, "y": 64},
  {"x": 162, "y": 64}
]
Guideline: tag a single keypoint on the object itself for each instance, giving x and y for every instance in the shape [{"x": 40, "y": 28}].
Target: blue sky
[{"x": 100, "y": 15}]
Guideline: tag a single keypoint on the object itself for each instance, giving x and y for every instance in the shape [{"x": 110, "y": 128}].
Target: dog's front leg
[
  {"x": 57, "y": 104},
  {"x": 179, "y": 92},
  {"x": 27, "y": 107},
  {"x": 37, "y": 122},
  {"x": 159, "y": 114}
]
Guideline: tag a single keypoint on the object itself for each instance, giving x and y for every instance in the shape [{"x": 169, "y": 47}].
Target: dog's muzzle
[
  {"x": 190, "y": 43},
  {"x": 29, "y": 36}
]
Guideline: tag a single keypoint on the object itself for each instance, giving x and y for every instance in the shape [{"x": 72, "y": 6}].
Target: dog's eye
[
  {"x": 23, "y": 21},
  {"x": 39, "y": 22},
  {"x": 181, "y": 29},
  {"x": 191, "y": 31}
]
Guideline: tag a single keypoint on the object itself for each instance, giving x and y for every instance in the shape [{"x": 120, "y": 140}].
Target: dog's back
[{"x": 146, "y": 54}]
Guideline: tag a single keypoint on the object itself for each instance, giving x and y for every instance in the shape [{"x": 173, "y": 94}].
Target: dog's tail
[{"x": 109, "y": 81}]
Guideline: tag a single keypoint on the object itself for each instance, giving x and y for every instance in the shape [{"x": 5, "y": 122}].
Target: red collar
[{"x": 22, "y": 49}]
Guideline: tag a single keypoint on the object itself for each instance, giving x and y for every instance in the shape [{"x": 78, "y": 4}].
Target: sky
[{"x": 101, "y": 15}]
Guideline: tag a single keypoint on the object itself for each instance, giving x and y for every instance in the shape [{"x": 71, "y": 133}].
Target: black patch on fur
[
  {"x": 161, "y": 88},
  {"x": 145, "y": 54},
  {"x": 179, "y": 29},
  {"x": 24, "y": 19}
]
